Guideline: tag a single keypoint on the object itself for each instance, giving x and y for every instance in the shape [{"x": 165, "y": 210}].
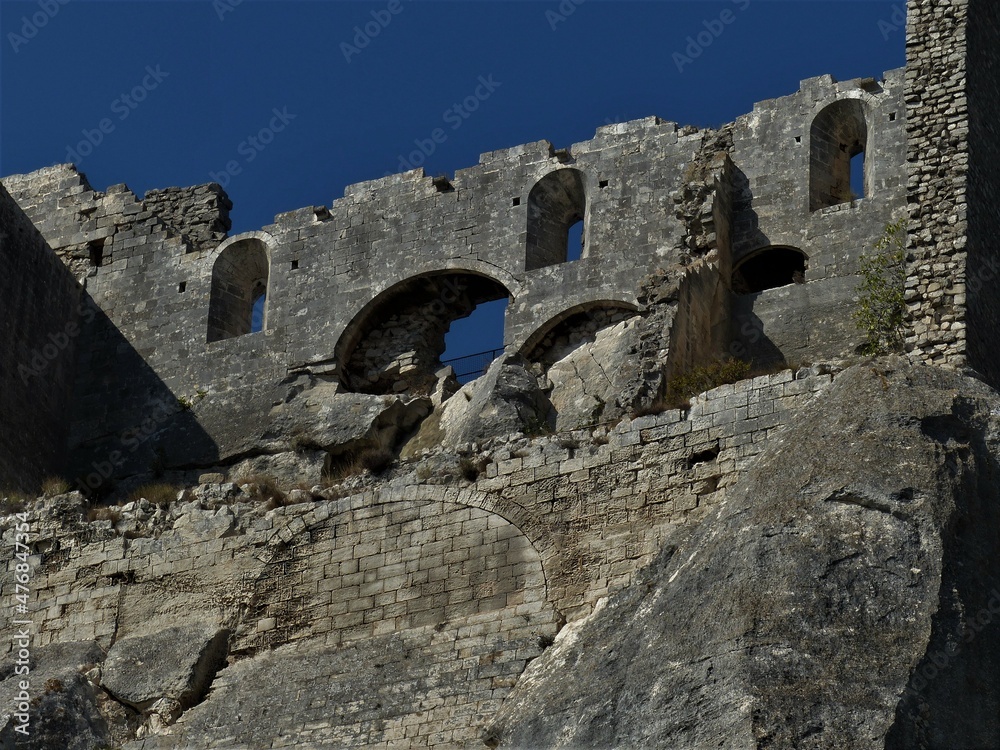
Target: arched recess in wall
[
  {"x": 556, "y": 204},
  {"x": 575, "y": 325},
  {"x": 394, "y": 344},
  {"x": 385, "y": 520},
  {"x": 240, "y": 279},
  {"x": 839, "y": 135},
  {"x": 769, "y": 268}
]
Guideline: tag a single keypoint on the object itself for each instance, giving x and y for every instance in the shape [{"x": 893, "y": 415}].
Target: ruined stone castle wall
[
  {"x": 779, "y": 154},
  {"x": 332, "y": 274},
  {"x": 327, "y": 266},
  {"x": 39, "y": 329}
]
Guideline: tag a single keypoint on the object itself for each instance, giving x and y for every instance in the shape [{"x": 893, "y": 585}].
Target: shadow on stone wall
[{"x": 139, "y": 426}]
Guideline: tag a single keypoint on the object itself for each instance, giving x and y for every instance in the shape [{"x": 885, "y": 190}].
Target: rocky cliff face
[
  {"x": 843, "y": 592},
  {"x": 846, "y": 594}
]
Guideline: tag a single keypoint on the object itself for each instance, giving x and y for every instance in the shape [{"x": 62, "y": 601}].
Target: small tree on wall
[{"x": 881, "y": 305}]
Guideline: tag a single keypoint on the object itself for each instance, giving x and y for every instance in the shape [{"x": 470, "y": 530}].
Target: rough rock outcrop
[
  {"x": 588, "y": 380},
  {"x": 63, "y": 702},
  {"x": 506, "y": 399},
  {"x": 846, "y": 594}
]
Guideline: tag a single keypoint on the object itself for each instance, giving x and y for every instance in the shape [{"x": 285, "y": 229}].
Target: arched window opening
[
  {"x": 397, "y": 343},
  {"x": 473, "y": 342},
  {"x": 556, "y": 203},
  {"x": 838, "y": 141},
  {"x": 770, "y": 268},
  {"x": 239, "y": 290}
]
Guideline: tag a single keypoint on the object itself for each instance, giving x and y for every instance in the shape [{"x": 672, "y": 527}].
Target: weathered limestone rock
[
  {"x": 846, "y": 594},
  {"x": 177, "y": 663},
  {"x": 310, "y": 415},
  {"x": 198, "y": 524},
  {"x": 588, "y": 380},
  {"x": 505, "y": 399},
  {"x": 63, "y": 702},
  {"x": 288, "y": 468}
]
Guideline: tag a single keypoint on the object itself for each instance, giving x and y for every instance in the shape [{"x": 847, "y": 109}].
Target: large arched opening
[
  {"x": 770, "y": 268},
  {"x": 395, "y": 344}
]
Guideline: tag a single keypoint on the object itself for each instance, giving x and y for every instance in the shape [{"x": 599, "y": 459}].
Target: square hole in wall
[
  {"x": 798, "y": 139},
  {"x": 892, "y": 117},
  {"x": 517, "y": 201},
  {"x": 182, "y": 287},
  {"x": 96, "y": 251},
  {"x": 603, "y": 183},
  {"x": 295, "y": 264}
]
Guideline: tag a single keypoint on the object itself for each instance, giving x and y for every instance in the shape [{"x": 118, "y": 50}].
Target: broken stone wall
[
  {"x": 774, "y": 163},
  {"x": 200, "y": 214},
  {"x": 700, "y": 333}
]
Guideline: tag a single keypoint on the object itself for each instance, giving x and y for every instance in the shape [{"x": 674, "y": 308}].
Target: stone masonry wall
[
  {"x": 772, "y": 152},
  {"x": 937, "y": 123},
  {"x": 199, "y": 214},
  {"x": 38, "y": 336},
  {"x": 329, "y": 266},
  {"x": 450, "y": 587}
]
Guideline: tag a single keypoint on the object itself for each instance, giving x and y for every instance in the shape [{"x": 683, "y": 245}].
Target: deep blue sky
[{"x": 606, "y": 61}]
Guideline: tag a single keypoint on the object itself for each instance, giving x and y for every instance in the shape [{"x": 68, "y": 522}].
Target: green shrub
[{"x": 881, "y": 311}]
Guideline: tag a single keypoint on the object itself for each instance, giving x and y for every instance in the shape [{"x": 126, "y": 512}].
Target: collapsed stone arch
[
  {"x": 394, "y": 343},
  {"x": 574, "y": 324},
  {"x": 241, "y": 274}
]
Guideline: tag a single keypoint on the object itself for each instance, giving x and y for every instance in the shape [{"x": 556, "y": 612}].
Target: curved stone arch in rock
[
  {"x": 413, "y": 313},
  {"x": 625, "y": 302},
  {"x": 510, "y": 511},
  {"x": 520, "y": 518}
]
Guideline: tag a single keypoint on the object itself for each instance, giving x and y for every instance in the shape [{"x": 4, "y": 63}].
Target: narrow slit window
[
  {"x": 257, "y": 309},
  {"x": 858, "y": 175},
  {"x": 574, "y": 241}
]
